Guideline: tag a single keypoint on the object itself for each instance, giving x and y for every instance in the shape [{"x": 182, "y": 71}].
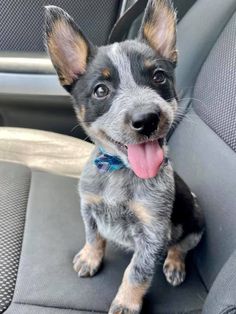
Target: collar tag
[{"x": 107, "y": 163}]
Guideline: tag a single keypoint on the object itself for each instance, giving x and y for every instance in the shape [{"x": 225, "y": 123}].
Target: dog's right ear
[
  {"x": 67, "y": 46},
  {"x": 158, "y": 28}
]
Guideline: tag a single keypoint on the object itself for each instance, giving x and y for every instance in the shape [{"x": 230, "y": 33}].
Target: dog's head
[{"x": 123, "y": 93}]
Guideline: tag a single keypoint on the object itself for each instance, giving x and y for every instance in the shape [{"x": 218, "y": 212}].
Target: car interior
[{"x": 43, "y": 150}]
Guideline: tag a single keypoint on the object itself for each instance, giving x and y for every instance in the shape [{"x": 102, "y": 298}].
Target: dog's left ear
[
  {"x": 158, "y": 28},
  {"x": 67, "y": 46}
]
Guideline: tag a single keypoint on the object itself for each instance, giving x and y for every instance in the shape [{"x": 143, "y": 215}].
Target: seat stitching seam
[{"x": 61, "y": 308}]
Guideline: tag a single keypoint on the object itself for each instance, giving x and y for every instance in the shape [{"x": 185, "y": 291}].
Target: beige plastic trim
[
  {"x": 46, "y": 151},
  {"x": 26, "y": 65}
]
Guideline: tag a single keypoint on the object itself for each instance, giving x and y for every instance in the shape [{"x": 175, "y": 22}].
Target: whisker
[
  {"x": 86, "y": 138},
  {"x": 74, "y": 128},
  {"x": 191, "y": 98}
]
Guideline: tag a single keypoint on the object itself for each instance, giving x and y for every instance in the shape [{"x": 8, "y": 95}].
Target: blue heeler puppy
[{"x": 124, "y": 96}]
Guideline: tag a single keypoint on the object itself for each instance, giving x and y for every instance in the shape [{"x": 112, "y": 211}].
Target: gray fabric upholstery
[
  {"x": 222, "y": 296},
  {"x": 215, "y": 92},
  {"x": 14, "y": 188},
  {"x": 209, "y": 167},
  {"x": 21, "y": 25},
  {"x": 197, "y": 33},
  {"x": 200, "y": 156},
  {"x": 35, "y": 309},
  {"x": 54, "y": 233}
]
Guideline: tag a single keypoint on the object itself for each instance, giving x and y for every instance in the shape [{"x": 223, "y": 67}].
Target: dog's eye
[
  {"x": 158, "y": 77},
  {"x": 101, "y": 91}
]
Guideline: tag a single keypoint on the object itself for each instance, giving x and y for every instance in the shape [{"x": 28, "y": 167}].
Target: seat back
[
  {"x": 203, "y": 145},
  {"x": 30, "y": 93},
  {"x": 21, "y": 23}
]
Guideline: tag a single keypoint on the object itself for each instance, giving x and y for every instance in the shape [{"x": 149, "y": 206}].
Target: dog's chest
[
  {"x": 114, "y": 218},
  {"x": 123, "y": 203},
  {"x": 116, "y": 229}
]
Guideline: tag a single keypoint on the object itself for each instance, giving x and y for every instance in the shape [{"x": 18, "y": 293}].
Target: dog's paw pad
[
  {"x": 119, "y": 309},
  {"x": 174, "y": 272}
]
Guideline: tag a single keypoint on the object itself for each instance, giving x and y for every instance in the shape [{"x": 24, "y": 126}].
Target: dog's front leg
[
  {"x": 88, "y": 260},
  {"x": 136, "y": 280}
]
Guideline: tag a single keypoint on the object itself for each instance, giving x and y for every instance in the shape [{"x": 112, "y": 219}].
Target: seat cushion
[
  {"x": 14, "y": 190},
  {"x": 222, "y": 296},
  {"x": 54, "y": 233}
]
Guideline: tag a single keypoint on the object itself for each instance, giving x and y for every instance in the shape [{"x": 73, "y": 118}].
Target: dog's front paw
[
  {"x": 88, "y": 261},
  {"x": 117, "y": 308},
  {"x": 127, "y": 301},
  {"x": 174, "y": 271}
]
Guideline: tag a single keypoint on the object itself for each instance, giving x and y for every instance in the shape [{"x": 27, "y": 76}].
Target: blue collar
[{"x": 106, "y": 162}]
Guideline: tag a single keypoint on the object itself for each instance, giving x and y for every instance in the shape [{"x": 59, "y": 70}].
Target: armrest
[
  {"x": 24, "y": 64},
  {"x": 222, "y": 296}
]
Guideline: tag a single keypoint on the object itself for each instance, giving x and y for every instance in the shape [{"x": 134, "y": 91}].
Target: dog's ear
[
  {"x": 67, "y": 46},
  {"x": 158, "y": 28}
]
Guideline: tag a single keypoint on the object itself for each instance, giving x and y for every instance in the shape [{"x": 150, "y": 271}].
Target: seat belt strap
[{"x": 121, "y": 27}]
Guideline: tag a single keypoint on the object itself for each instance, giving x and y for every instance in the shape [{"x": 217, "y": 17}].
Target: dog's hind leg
[
  {"x": 187, "y": 229},
  {"x": 174, "y": 265}
]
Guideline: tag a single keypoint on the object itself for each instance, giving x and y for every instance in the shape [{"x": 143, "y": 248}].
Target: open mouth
[
  {"x": 145, "y": 158},
  {"x": 124, "y": 148}
]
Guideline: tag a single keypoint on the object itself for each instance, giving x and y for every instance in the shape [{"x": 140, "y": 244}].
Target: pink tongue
[{"x": 145, "y": 159}]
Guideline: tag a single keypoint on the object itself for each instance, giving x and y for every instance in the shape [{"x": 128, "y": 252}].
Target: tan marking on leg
[
  {"x": 88, "y": 260},
  {"x": 175, "y": 258},
  {"x": 175, "y": 253},
  {"x": 142, "y": 213},
  {"x": 106, "y": 73},
  {"x": 91, "y": 253},
  {"x": 130, "y": 295},
  {"x": 174, "y": 266},
  {"x": 92, "y": 198}
]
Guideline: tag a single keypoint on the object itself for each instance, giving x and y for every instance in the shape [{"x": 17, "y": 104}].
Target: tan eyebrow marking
[
  {"x": 148, "y": 63},
  {"x": 106, "y": 73}
]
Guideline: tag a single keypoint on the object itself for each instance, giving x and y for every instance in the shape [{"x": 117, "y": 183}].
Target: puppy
[{"x": 124, "y": 96}]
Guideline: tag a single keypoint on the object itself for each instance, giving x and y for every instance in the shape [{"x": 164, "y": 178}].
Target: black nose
[{"x": 145, "y": 123}]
